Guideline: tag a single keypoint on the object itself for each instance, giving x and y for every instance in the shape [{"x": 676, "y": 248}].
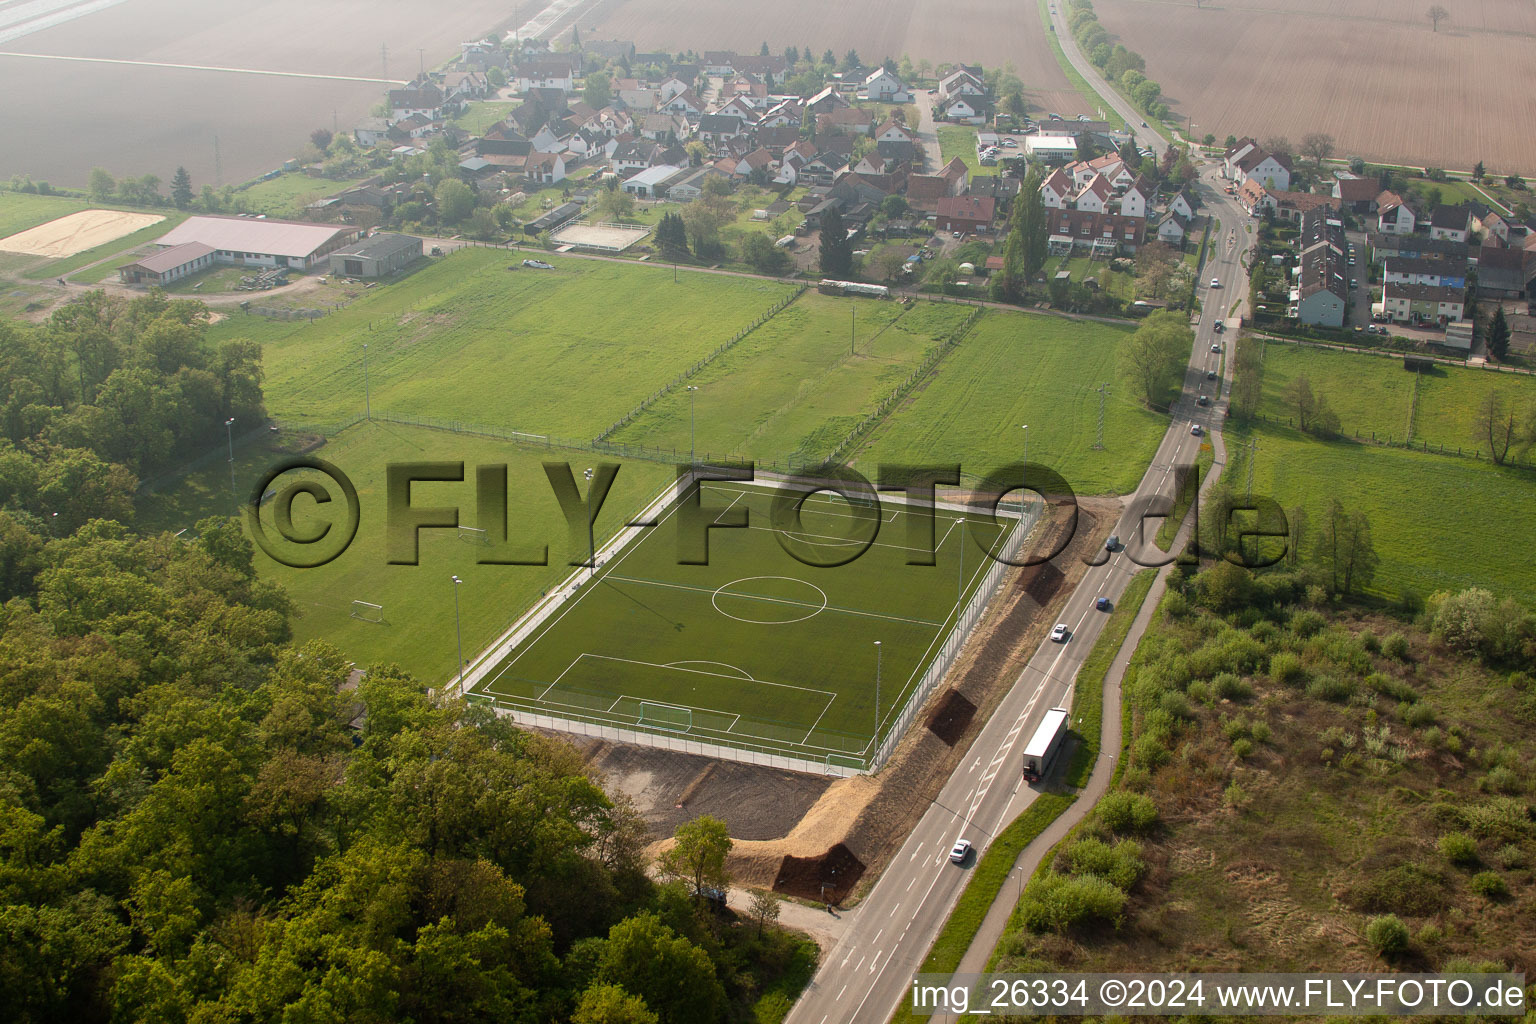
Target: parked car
[
  {"x": 960, "y": 851},
  {"x": 538, "y": 265},
  {"x": 1010, "y": 144},
  {"x": 1059, "y": 634}
]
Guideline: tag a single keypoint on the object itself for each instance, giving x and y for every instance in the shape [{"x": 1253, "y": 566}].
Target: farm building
[
  {"x": 168, "y": 265},
  {"x": 261, "y": 242},
  {"x": 553, "y": 219},
  {"x": 377, "y": 256}
]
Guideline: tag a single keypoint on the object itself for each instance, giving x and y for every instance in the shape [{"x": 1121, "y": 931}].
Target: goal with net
[
  {"x": 367, "y": 611},
  {"x": 474, "y": 535},
  {"x": 665, "y": 716}
]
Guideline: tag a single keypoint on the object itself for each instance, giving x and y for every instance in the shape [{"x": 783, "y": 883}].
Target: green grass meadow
[
  {"x": 123, "y": 248},
  {"x": 287, "y": 194},
  {"x": 563, "y": 352},
  {"x": 799, "y": 383},
  {"x": 960, "y": 141},
  {"x": 480, "y": 115},
  {"x": 1438, "y": 522},
  {"x": 756, "y": 647},
  {"x": 22, "y": 210},
  {"x": 418, "y": 631},
  {"x": 1017, "y": 368},
  {"x": 1372, "y": 395}
]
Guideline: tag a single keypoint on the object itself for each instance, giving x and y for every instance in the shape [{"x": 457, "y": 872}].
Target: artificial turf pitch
[{"x": 758, "y": 649}]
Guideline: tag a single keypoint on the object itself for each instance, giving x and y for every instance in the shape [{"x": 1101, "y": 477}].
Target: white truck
[{"x": 1045, "y": 744}]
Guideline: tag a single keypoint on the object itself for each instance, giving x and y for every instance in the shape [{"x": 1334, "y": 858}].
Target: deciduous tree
[
  {"x": 1436, "y": 14},
  {"x": 1156, "y": 353}
]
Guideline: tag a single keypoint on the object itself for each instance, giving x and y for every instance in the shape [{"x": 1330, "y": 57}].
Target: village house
[
  {"x": 1417, "y": 270},
  {"x": 1423, "y": 304},
  {"x": 545, "y": 74},
  {"x": 1100, "y": 235},
  {"x": 1450, "y": 223},
  {"x": 1394, "y": 216},
  {"x": 883, "y": 87},
  {"x": 967, "y": 215},
  {"x": 1321, "y": 295}
]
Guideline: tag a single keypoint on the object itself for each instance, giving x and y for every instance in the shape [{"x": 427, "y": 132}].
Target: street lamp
[
  {"x": 591, "y": 540},
  {"x": 692, "y": 390},
  {"x": 458, "y": 629},
  {"x": 229, "y": 432},
  {"x": 1024, "y": 474},
  {"x": 877, "y": 696},
  {"x": 367, "y": 391}
]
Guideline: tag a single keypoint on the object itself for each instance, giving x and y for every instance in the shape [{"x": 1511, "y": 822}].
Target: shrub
[
  {"x": 1149, "y": 751},
  {"x": 1369, "y": 641},
  {"x": 1198, "y": 691},
  {"x": 1236, "y": 797},
  {"x": 1502, "y": 779},
  {"x": 1489, "y": 885},
  {"x": 1387, "y": 935},
  {"x": 1307, "y": 623},
  {"x": 1057, "y": 902},
  {"x": 1511, "y": 857},
  {"x": 1175, "y": 606},
  {"x": 1502, "y": 817},
  {"x": 1176, "y": 705},
  {"x": 1417, "y": 715},
  {"x": 1286, "y": 668},
  {"x": 1395, "y": 646},
  {"x": 1329, "y": 688},
  {"x": 1401, "y": 889},
  {"x": 1242, "y": 748},
  {"x": 1394, "y": 688},
  {"x": 1260, "y": 732},
  {"x": 1121, "y": 864},
  {"x": 1228, "y": 686},
  {"x": 1127, "y": 812},
  {"x": 1458, "y": 848}
]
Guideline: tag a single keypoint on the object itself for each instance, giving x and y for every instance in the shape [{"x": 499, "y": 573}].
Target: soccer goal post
[
  {"x": 474, "y": 535},
  {"x": 665, "y": 716},
  {"x": 367, "y": 611}
]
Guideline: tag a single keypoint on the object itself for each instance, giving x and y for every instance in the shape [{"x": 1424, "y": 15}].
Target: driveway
[{"x": 927, "y": 134}]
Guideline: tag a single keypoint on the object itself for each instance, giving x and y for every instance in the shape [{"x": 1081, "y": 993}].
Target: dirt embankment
[{"x": 816, "y": 839}]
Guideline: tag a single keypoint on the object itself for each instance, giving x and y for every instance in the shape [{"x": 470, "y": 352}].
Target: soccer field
[{"x": 758, "y": 649}]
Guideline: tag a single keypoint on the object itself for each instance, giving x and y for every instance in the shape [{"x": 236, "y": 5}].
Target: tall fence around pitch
[{"x": 965, "y": 622}]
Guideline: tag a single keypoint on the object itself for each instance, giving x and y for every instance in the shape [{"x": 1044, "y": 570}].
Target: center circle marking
[{"x": 715, "y": 600}]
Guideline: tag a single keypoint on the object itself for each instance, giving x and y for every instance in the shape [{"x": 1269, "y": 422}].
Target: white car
[
  {"x": 960, "y": 851},
  {"x": 1196, "y": 430},
  {"x": 1216, "y": 347},
  {"x": 1059, "y": 634},
  {"x": 538, "y": 265},
  {"x": 1215, "y": 282}
]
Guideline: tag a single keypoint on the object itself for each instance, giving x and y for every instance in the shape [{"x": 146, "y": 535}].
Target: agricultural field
[
  {"x": 924, "y": 29},
  {"x": 115, "y": 115},
  {"x": 795, "y": 386},
  {"x": 1371, "y": 73},
  {"x": 1434, "y": 518},
  {"x": 564, "y": 352},
  {"x": 418, "y": 627},
  {"x": 758, "y": 648},
  {"x": 1372, "y": 395},
  {"x": 1017, "y": 368}
]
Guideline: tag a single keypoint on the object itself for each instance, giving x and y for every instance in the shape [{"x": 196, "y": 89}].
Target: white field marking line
[
  {"x": 6, "y": 37},
  {"x": 943, "y": 629},
  {"x": 807, "y": 740},
  {"x": 719, "y": 675},
  {"x": 732, "y": 505},
  {"x": 775, "y": 600},
  {"x": 745, "y": 675},
  {"x": 528, "y": 642}
]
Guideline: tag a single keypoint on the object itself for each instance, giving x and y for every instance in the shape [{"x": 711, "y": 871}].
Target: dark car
[{"x": 1103, "y": 604}]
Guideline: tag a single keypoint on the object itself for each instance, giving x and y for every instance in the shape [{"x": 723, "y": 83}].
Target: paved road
[
  {"x": 868, "y": 973},
  {"x": 927, "y": 133},
  {"x": 1149, "y": 136}
]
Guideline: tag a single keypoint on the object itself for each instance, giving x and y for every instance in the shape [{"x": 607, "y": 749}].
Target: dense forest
[{"x": 200, "y": 821}]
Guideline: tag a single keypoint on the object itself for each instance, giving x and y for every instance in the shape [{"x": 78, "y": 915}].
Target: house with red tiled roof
[{"x": 966, "y": 214}]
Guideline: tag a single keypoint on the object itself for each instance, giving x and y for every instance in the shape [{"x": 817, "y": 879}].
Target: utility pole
[
  {"x": 853, "y": 323},
  {"x": 1024, "y": 474},
  {"x": 458, "y": 630},
  {"x": 218, "y": 164},
  {"x": 384, "y": 57},
  {"x": 421, "y": 60},
  {"x": 367, "y": 391},
  {"x": 692, "y": 391},
  {"x": 1103, "y": 390},
  {"x": 591, "y": 533},
  {"x": 960, "y": 573},
  {"x": 229, "y": 430}
]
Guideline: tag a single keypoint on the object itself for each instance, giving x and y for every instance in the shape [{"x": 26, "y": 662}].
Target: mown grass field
[
  {"x": 418, "y": 631},
  {"x": 481, "y": 114},
  {"x": 287, "y": 194},
  {"x": 957, "y": 140},
  {"x": 798, "y": 384},
  {"x": 563, "y": 352},
  {"x": 1372, "y": 394},
  {"x": 757, "y": 647},
  {"x": 22, "y": 210},
  {"x": 1013, "y": 369},
  {"x": 1438, "y": 522}
]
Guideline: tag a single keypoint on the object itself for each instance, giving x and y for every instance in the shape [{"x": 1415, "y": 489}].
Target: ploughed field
[{"x": 1371, "y": 73}]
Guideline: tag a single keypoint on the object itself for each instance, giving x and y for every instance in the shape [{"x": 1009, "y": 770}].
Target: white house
[
  {"x": 544, "y": 75},
  {"x": 962, "y": 82},
  {"x": 1182, "y": 205},
  {"x": 1234, "y": 154},
  {"x": 1450, "y": 223},
  {"x": 1094, "y": 198},
  {"x": 1172, "y": 228},
  {"x": 1136, "y": 199},
  {"x": 670, "y": 88},
  {"x": 1055, "y": 189},
  {"x": 545, "y": 168},
  {"x": 1394, "y": 216},
  {"x": 893, "y": 131},
  {"x": 965, "y": 109},
  {"x": 884, "y": 87},
  {"x": 686, "y": 103},
  {"x": 1269, "y": 170}
]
